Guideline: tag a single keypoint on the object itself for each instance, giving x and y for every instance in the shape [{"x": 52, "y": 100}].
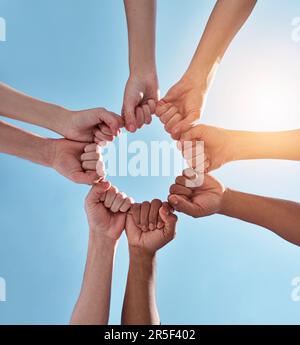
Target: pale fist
[{"x": 140, "y": 97}]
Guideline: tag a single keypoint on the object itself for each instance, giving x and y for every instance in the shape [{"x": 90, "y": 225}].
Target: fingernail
[
  {"x": 151, "y": 226},
  {"x": 174, "y": 200},
  {"x": 131, "y": 128},
  {"x": 159, "y": 224},
  {"x": 144, "y": 228}
]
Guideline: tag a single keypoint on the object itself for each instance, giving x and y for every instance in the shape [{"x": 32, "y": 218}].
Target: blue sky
[{"x": 218, "y": 270}]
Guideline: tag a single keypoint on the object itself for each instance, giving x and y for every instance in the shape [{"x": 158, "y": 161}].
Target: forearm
[
  {"x": 92, "y": 307},
  {"x": 141, "y": 22},
  {"x": 18, "y": 106},
  {"x": 26, "y": 145},
  {"x": 276, "y": 145},
  {"x": 139, "y": 306},
  {"x": 280, "y": 216},
  {"x": 225, "y": 21}
]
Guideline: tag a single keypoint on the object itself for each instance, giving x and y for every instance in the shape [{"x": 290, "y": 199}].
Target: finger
[
  {"x": 166, "y": 117},
  {"x": 162, "y": 107},
  {"x": 173, "y": 121},
  {"x": 89, "y": 165},
  {"x": 90, "y": 148},
  {"x": 139, "y": 117},
  {"x": 102, "y": 197},
  {"x": 105, "y": 129},
  {"x": 191, "y": 149},
  {"x": 90, "y": 156},
  {"x": 144, "y": 222},
  {"x": 100, "y": 168},
  {"x": 152, "y": 105},
  {"x": 182, "y": 204},
  {"x": 135, "y": 211},
  {"x": 169, "y": 219},
  {"x": 112, "y": 120},
  {"x": 193, "y": 133},
  {"x": 129, "y": 116},
  {"x": 153, "y": 213},
  {"x": 117, "y": 203},
  {"x": 110, "y": 196},
  {"x": 180, "y": 180},
  {"x": 102, "y": 137},
  {"x": 184, "y": 125},
  {"x": 97, "y": 191},
  {"x": 126, "y": 204},
  {"x": 147, "y": 114},
  {"x": 99, "y": 143},
  {"x": 180, "y": 190}
]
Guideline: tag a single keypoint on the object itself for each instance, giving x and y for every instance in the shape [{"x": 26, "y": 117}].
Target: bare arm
[
  {"x": 23, "y": 144},
  {"x": 280, "y": 216},
  {"x": 106, "y": 212},
  {"x": 93, "y": 304},
  {"x": 184, "y": 102},
  {"x": 159, "y": 226},
  {"x": 142, "y": 89},
  {"x": 141, "y": 19},
  {"x": 225, "y": 21},
  {"x": 19, "y": 106},
  {"x": 269, "y": 145},
  {"x": 65, "y": 156},
  {"x": 140, "y": 302}
]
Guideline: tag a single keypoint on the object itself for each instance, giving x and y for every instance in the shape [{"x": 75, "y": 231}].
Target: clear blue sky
[{"x": 218, "y": 270}]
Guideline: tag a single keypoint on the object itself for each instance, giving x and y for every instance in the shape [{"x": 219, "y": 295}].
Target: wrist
[
  {"x": 201, "y": 74},
  {"x": 101, "y": 241},
  {"x": 226, "y": 202},
  {"x": 141, "y": 255},
  {"x": 147, "y": 71}
]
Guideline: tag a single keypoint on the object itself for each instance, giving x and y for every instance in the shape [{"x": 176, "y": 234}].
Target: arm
[
  {"x": 222, "y": 146},
  {"x": 139, "y": 305},
  {"x": 280, "y": 216},
  {"x": 75, "y": 125},
  {"x": 149, "y": 227},
  {"x": 142, "y": 90},
  {"x": 93, "y": 304},
  {"x": 65, "y": 156},
  {"x": 184, "y": 102},
  {"x": 106, "y": 211},
  {"x": 226, "y": 19}
]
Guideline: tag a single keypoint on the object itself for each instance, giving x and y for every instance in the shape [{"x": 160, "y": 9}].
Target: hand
[
  {"x": 69, "y": 161},
  {"x": 140, "y": 97},
  {"x": 201, "y": 201},
  {"x": 106, "y": 210},
  {"x": 217, "y": 145},
  {"x": 183, "y": 104},
  {"x": 150, "y": 226},
  {"x": 85, "y": 125}
]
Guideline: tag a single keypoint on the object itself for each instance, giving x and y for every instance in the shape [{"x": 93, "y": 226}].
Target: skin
[
  {"x": 139, "y": 307},
  {"x": 279, "y": 216},
  {"x": 223, "y": 146},
  {"x": 142, "y": 89},
  {"x": 63, "y": 155},
  {"x": 80, "y": 126},
  {"x": 187, "y": 97},
  {"x": 106, "y": 226}
]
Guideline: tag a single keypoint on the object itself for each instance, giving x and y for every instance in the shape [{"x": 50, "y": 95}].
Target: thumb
[
  {"x": 128, "y": 114},
  {"x": 96, "y": 191},
  {"x": 167, "y": 216},
  {"x": 182, "y": 204}
]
